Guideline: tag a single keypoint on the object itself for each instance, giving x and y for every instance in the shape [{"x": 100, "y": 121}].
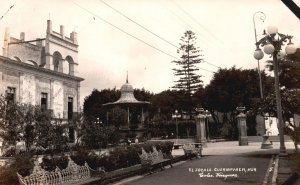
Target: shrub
[
  {"x": 120, "y": 157},
  {"x": 8, "y": 176},
  {"x": 23, "y": 164},
  {"x": 165, "y": 147},
  {"x": 80, "y": 156},
  {"x": 51, "y": 162},
  {"x": 133, "y": 154},
  {"x": 10, "y": 152}
]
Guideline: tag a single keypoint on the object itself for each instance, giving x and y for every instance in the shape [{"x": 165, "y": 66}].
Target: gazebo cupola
[{"x": 127, "y": 100}]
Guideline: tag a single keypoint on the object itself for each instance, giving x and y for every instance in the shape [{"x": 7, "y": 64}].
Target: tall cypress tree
[{"x": 189, "y": 81}]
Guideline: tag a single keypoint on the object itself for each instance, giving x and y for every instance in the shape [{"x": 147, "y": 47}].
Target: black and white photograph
[{"x": 144, "y": 92}]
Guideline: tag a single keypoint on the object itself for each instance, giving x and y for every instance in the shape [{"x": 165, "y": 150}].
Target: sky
[{"x": 142, "y": 36}]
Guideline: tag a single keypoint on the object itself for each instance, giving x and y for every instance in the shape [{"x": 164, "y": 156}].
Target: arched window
[
  {"x": 16, "y": 58},
  {"x": 31, "y": 62},
  {"x": 57, "y": 61},
  {"x": 71, "y": 65}
]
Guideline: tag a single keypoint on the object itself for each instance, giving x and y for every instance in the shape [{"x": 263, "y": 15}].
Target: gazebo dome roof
[
  {"x": 127, "y": 96},
  {"x": 126, "y": 88}
]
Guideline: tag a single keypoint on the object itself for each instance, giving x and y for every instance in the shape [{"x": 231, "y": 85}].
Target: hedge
[{"x": 120, "y": 157}]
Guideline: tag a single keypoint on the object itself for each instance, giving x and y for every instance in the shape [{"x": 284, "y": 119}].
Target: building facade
[{"x": 43, "y": 72}]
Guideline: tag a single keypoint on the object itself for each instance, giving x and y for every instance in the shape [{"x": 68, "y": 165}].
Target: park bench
[
  {"x": 155, "y": 159},
  {"x": 192, "y": 150},
  {"x": 73, "y": 174},
  {"x": 176, "y": 146}
]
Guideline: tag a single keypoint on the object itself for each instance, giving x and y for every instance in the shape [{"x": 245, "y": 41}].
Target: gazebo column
[
  {"x": 128, "y": 120},
  {"x": 142, "y": 116}
]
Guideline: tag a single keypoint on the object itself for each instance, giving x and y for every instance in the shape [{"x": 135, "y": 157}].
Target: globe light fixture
[
  {"x": 290, "y": 48},
  {"x": 272, "y": 30},
  {"x": 258, "y": 54},
  {"x": 269, "y": 49},
  {"x": 272, "y": 43}
]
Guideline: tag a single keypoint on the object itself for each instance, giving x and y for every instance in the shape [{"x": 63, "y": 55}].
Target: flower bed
[
  {"x": 120, "y": 157},
  {"x": 118, "y": 163}
]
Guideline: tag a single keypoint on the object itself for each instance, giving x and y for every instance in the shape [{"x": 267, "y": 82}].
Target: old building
[{"x": 43, "y": 72}]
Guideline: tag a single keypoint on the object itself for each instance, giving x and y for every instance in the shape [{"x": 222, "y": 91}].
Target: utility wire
[
  {"x": 124, "y": 31},
  {"x": 188, "y": 25},
  {"x": 211, "y": 64},
  {"x": 195, "y": 20},
  {"x": 206, "y": 70},
  {"x": 95, "y": 15},
  {"x": 139, "y": 24},
  {"x": 147, "y": 29},
  {"x": 191, "y": 27},
  {"x": 119, "y": 12},
  {"x": 6, "y": 12}
]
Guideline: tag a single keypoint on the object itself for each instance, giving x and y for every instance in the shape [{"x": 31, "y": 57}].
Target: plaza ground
[{"x": 250, "y": 165}]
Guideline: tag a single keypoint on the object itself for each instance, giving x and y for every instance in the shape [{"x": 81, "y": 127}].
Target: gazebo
[{"x": 128, "y": 102}]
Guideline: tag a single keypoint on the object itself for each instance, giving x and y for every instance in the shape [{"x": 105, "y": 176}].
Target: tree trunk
[{"x": 296, "y": 147}]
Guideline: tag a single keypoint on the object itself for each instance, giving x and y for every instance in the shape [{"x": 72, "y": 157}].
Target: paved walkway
[
  {"x": 233, "y": 148},
  {"x": 211, "y": 170},
  {"x": 227, "y": 155}
]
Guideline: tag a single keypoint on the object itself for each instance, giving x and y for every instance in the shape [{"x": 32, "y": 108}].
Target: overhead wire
[
  {"x": 196, "y": 21},
  {"x": 6, "y": 12},
  {"x": 187, "y": 24},
  {"x": 191, "y": 27},
  {"x": 148, "y": 30},
  {"x": 95, "y": 15},
  {"x": 144, "y": 42}
]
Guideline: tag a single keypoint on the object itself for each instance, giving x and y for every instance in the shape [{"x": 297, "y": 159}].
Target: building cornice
[{"x": 39, "y": 69}]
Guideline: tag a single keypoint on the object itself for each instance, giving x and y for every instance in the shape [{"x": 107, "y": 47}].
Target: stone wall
[
  {"x": 28, "y": 89},
  {"x": 26, "y": 52},
  {"x": 31, "y": 81}
]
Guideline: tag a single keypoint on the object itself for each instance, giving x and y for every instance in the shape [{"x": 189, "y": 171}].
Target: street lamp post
[
  {"x": 176, "y": 113},
  {"x": 261, "y": 17},
  {"x": 272, "y": 43}
]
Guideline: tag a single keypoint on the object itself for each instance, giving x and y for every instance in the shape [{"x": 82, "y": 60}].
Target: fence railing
[{"x": 72, "y": 174}]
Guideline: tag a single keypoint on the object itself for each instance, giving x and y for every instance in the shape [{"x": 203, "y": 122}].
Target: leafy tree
[
  {"x": 290, "y": 101},
  {"x": 289, "y": 73},
  {"x": 92, "y": 106},
  {"x": 117, "y": 117},
  {"x": 42, "y": 129},
  {"x": 189, "y": 81},
  {"x": 289, "y": 82},
  {"x": 88, "y": 133},
  {"x": 166, "y": 102},
  {"x": 142, "y": 94},
  {"x": 25, "y": 122},
  {"x": 57, "y": 136},
  {"x": 229, "y": 89},
  {"x": 28, "y": 114},
  {"x": 199, "y": 97},
  {"x": 12, "y": 122},
  {"x": 93, "y": 134}
]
